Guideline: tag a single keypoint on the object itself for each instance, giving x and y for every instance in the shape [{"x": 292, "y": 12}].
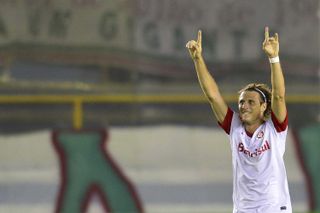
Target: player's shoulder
[
  {"x": 236, "y": 121},
  {"x": 279, "y": 126},
  {"x": 276, "y": 131}
]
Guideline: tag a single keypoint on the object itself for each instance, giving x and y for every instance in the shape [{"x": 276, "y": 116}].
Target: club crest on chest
[{"x": 260, "y": 135}]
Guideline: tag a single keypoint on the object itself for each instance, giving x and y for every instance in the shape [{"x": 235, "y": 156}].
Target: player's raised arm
[
  {"x": 271, "y": 48},
  {"x": 207, "y": 82}
]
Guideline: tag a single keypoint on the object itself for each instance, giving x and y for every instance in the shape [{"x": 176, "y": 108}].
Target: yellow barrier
[{"x": 79, "y": 100}]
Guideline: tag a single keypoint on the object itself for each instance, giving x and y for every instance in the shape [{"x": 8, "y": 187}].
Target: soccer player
[{"x": 257, "y": 133}]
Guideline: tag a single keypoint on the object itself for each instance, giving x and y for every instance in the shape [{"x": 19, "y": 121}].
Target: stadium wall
[{"x": 174, "y": 169}]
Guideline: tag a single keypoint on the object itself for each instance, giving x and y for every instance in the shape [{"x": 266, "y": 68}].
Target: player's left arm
[{"x": 271, "y": 48}]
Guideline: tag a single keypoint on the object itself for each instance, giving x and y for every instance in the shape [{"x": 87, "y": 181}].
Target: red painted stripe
[{"x": 307, "y": 176}]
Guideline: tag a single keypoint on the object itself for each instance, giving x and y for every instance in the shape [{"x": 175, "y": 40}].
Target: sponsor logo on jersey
[
  {"x": 260, "y": 135},
  {"x": 257, "y": 152}
]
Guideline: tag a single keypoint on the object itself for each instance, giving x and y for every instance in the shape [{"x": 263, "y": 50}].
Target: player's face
[{"x": 250, "y": 107}]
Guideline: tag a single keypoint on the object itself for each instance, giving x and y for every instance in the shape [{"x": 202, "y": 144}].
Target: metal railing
[{"x": 78, "y": 100}]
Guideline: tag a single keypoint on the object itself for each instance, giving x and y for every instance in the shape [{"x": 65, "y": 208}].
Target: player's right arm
[{"x": 207, "y": 82}]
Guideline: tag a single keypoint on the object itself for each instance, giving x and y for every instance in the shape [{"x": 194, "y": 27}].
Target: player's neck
[{"x": 251, "y": 128}]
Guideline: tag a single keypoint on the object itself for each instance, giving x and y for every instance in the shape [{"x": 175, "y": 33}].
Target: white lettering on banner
[
  {"x": 86, "y": 3},
  {"x": 168, "y": 11},
  {"x": 231, "y": 29}
]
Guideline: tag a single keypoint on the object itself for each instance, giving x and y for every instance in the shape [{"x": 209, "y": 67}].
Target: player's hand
[
  {"x": 270, "y": 44},
  {"x": 195, "y": 47}
]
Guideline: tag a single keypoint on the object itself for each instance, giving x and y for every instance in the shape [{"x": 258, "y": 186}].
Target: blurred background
[{"x": 122, "y": 65}]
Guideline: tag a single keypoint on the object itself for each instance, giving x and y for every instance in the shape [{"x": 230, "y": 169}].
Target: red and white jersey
[{"x": 259, "y": 175}]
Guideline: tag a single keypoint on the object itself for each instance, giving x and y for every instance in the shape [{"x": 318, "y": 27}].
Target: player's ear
[{"x": 263, "y": 107}]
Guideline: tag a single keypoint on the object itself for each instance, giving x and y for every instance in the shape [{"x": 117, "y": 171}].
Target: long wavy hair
[{"x": 266, "y": 91}]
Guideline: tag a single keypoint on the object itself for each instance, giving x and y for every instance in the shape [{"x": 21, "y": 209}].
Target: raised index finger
[
  {"x": 199, "y": 40},
  {"x": 266, "y": 33}
]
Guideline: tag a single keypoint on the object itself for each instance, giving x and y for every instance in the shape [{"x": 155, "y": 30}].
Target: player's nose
[{"x": 243, "y": 105}]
